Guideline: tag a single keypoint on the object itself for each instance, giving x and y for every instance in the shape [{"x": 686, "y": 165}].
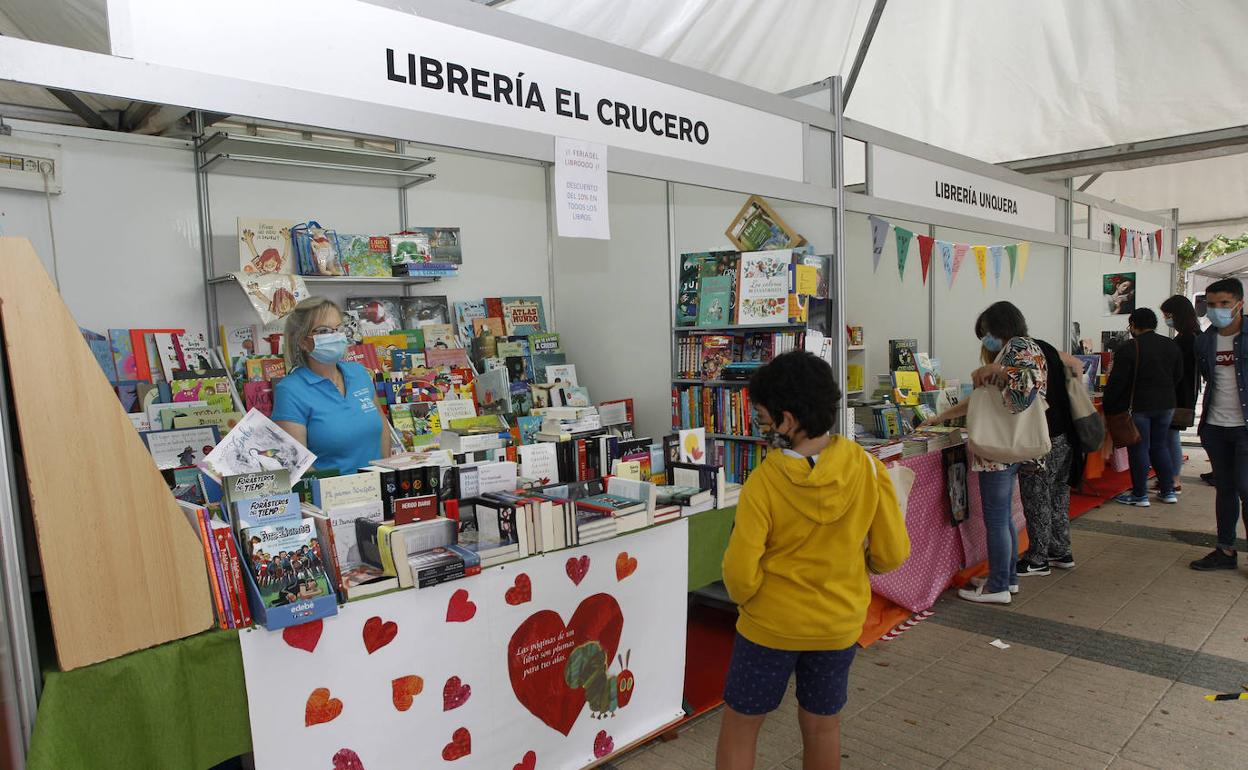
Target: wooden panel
[{"x": 122, "y": 567}]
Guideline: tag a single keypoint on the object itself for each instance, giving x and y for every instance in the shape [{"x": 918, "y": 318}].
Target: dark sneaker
[
  {"x": 1027, "y": 568},
  {"x": 1126, "y": 498},
  {"x": 1063, "y": 562},
  {"x": 1207, "y": 478},
  {"x": 1217, "y": 559}
]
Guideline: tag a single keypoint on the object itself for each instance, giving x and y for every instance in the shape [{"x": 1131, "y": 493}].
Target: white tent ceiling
[{"x": 998, "y": 80}]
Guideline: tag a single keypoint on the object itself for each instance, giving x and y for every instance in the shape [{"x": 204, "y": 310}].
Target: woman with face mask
[
  {"x": 1181, "y": 317},
  {"x": 326, "y": 403},
  {"x": 1015, "y": 365}
]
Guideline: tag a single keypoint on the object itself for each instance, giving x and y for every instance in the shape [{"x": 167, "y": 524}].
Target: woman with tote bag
[{"x": 1006, "y": 426}]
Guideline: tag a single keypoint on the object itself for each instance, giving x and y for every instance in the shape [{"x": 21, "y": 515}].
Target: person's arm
[
  {"x": 298, "y": 431},
  {"x": 952, "y": 413},
  {"x": 386, "y": 445},
  {"x": 743, "y": 569},
  {"x": 1117, "y": 389},
  {"x": 290, "y": 414},
  {"x": 888, "y": 543}
]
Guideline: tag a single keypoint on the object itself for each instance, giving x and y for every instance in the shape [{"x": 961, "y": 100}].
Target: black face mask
[{"x": 777, "y": 440}]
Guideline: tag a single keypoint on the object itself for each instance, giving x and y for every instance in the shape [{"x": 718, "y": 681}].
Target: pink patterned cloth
[{"x": 938, "y": 550}]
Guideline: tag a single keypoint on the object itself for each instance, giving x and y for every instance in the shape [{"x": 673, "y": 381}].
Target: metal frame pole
[{"x": 837, "y": 332}]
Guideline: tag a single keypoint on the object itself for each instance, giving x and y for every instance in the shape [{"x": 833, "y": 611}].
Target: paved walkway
[{"x": 1108, "y": 666}]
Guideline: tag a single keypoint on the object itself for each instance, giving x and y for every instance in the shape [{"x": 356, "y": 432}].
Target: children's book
[
  {"x": 259, "y": 396},
  {"x": 927, "y": 372},
  {"x": 257, "y": 444},
  {"x": 465, "y": 312},
  {"x": 564, "y": 374},
  {"x": 444, "y": 244},
  {"x": 123, "y": 354},
  {"x": 102, "y": 351},
  {"x": 715, "y": 301},
  {"x": 262, "y": 511},
  {"x": 237, "y": 341},
  {"x": 194, "y": 352},
  {"x": 224, "y": 421},
  {"x": 409, "y": 248},
  {"x": 902, "y": 355},
  {"x": 364, "y": 256},
  {"x": 523, "y": 316},
  {"x": 215, "y": 391},
  {"x": 688, "y": 289},
  {"x": 440, "y": 336},
  {"x": 529, "y": 427},
  {"x": 453, "y": 357},
  {"x": 378, "y": 315},
  {"x": 576, "y": 396},
  {"x": 264, "y": 245},
  {"x": 763, "y": 287},
  {"x": 419, "y": 311},
  {"x": 493, "y": 392},
  {"x": 518, "y": 372},
  {"x": 181, "y": 447},
  {"x": 757, "y": 226},
  {"x": 426, "y": 244},
  {"x": 908, "y": 386},
  {"x": 716, "y": 354},
  {"x": 454, "y": 409},
  {"x": 287, "y": 562},
  {"x": 693, "y": 445},
  {"x": 543, "y": 362}
]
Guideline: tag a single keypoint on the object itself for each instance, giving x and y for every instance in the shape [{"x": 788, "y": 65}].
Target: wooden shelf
[
  {"x": 348, "y": 280},
  {"x": 737, "y": 328},
  {"x": 731, "y": 437}
]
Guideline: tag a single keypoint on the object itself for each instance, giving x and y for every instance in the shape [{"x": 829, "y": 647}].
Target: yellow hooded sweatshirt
[{"x": 796, "y": 564}]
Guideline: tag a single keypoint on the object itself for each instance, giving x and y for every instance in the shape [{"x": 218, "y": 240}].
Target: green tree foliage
[{"x": 1193, "y": 251}]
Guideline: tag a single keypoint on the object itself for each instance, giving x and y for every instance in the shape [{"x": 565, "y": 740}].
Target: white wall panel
[{"x": 1088, "y": 306}]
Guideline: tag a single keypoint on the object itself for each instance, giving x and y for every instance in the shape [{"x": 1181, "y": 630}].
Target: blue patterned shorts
[{"x": 758, "y": 677}]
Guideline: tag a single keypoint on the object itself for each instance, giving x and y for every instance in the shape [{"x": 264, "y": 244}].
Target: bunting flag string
[
  {"x": 925, "y": 254},
  {"x": 903, "y": 237},
  {"x": 946, "y": 260},
  {"x": 879, "y": 229},
  {"x": 1137, "y": 244},
  {"x": 981, "y": 264},
  {"x": 959, "y": 253},
  {"x": 997, "y": 253}
]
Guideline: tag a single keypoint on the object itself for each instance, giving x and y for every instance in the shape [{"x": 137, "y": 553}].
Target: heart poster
[{"x": 554, "y": 661}]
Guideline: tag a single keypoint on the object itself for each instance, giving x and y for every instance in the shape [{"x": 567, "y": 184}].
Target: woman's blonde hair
[{"x": 300, "y": 323}]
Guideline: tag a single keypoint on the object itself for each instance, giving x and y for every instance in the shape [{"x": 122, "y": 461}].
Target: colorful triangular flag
[
  {"x": 925, "y": 254},
  {"x": 959, "y": 253},
  {"x": 903, "y": 237},
  {"x": 879, "y": 229},
  {"x": 1012, "y": 250},
  {"x": 981, "y": 264},
  {"x": 997, "y": 253},
  {"x": 1024, "y": 251},
  {"x": 1157, "y": 236},
  {"x": 946, "y": 260},
  {"x": 1122, "y": 243}
]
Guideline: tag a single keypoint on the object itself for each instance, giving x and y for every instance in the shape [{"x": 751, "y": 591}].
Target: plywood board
[{"x": 122, "y": 567}]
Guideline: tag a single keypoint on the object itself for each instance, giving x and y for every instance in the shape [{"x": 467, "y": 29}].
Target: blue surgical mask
[
  {"x": 992, "y": 344},
  {"x": 1170, "y": 322},
  {"x": 1221, "y": 317},
  {"x": 329, "y": 348}
]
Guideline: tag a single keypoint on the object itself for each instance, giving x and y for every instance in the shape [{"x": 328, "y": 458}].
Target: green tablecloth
[{"x": 184, "y": 704}]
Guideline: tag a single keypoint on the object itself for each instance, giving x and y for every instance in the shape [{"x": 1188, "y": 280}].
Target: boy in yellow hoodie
[{"x": 796, "y": 564}]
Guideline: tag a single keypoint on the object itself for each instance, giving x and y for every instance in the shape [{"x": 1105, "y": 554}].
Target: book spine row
[
  {"x": 718, "y": 409},
  {"x": 757, "y": 347},
  {"x": 738, "y": 459}
]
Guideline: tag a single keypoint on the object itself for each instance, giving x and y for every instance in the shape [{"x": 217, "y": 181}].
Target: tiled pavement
[{"x": 1107, "y": 666}]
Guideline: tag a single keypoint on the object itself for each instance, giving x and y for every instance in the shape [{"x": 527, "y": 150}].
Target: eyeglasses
[{"x": 326, "y": 330}]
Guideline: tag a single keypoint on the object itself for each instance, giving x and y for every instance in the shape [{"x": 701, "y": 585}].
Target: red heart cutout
[
  {"x": 404, "y": 689},
  {"x": 521, "y": 592},
  {"x": 625, "y": 565},
  {"x": 378, "y": 634},
  {"x": 321, "y": 708},
  {"x": 346, "y": 759},
  {"x": 578, "y": 569},
  {"x": 460, "y": 745},
  {"x": 455, "y": 693},
  {"x": 541, "y": 688},
  {"x": 303, "y": 636},
  {"x": 460, "y": 609},
  {"x": 603, "y": 744},
  {"x": 528, "y": 763}
]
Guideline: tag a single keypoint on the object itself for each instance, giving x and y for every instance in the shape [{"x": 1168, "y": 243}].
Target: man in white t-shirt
[{"x": 1222, "y": 361}]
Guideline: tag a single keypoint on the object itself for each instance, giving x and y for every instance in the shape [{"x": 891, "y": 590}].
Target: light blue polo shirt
[{"x": 344, "y": 432}]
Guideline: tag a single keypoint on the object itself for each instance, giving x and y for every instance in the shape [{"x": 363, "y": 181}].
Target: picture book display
[
  {"x": 715, "y": 301},
  {"x": 757, "y": 227},
  {"x": 182, "y": 447},
  {"x": 264, "y": 245},
  {"x": 286, "y": 561},
  {"x": 378, "y": 315},
  {"x": 523, "y": 316},
  {"x": 364, "y": 256},
  {"x": 902, "y": 355},
  {"x": 257, "y": 444},
  {"x": 763, "y": 287}
]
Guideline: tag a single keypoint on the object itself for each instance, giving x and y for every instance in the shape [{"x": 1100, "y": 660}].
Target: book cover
[
  {"x": 409, "y": 509},
  {"x": 543, "y": 362},
  {"x": 265, "y": 511},
  {"x": 902, "y": 355},
  {"x": 523, "y": 316},
  {"x": 853, "y": 378},
  {"x": 576, "y": 396},
  {"x": 345, "y": 519},
  {"x": 264, "y": 245},
  {"x": 716, "y": 354},
  {"x": 493, "y": 392},
  {"x": 692, "y": 443},
  {"x": 452, "y": 357},
  {"x": 224, "y": 421},
  {"x": 689, "y": 288},
  {"x": 249, "y": 486},
  {"x": 488, "y": 325},
  {"x": 409, "y": 248},
  {"x": 332, "y": 492},
  {"x": 562, "y": 374},
  {"x": 927, "y": 372},
  {"x": 181, "y": 447},
  {"x": 258, "y": 396},
  {"x": 763, "y": 287},
  {"x": 616, "y": 412},
  {"x": 539, "y": 462},
  {"x": 102, "y": 351},
  {"x": 364, "y": 256},
  {"x": 465, "y": 312},
  {"x": 146, "y": 357},
  {"x": 454, "y": 409},
  {"x": 544, "y": 343},
  {"x": 908, "y": 386},
  {"x": 257, "y": 444},
  {"x": 215, "y": 391},
  {"x": 439, "y": 335},
  {"x": 237, "y": 340},
  {"x": 529, "y": 427},
  {"x": 167, "y": 354},
  {"x": 419, "y": 311},
  {"x": 123, "y": 354},
  {"x": 820, "y": 263},
  {"x": 194, "y": 351},
  {"x": 757, "y": 227},
  {"x": 378, "y": 315},
  {"x": 285, "y": 560},
  {"x": 715, "y": 301},
  {"x": 418, "y": 245}
]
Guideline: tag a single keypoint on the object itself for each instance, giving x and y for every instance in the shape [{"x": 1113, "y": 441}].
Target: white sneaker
[
  {"x": 979, "y": 582},
  {"x": 978, "y": 595}
]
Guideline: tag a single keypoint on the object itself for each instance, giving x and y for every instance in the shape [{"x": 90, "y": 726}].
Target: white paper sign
[
  {"x": 477, "y": 673},
  {"x": 910, "y": 179},
  {"x": 581, "y": 189}
]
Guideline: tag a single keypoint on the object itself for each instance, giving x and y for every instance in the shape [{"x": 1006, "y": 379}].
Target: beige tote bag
[{"x": 997, "y": 434}]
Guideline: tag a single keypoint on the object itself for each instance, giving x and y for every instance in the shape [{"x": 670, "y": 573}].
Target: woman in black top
[
  {"x": 1181, "y": 316},
  {"x": 1045, "y": 490}
]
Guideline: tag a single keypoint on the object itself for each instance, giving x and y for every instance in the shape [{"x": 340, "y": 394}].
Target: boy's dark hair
[
  {"x": 1143, "y": 318},
  {"x": 1232, "y": 286},
  {"x": 1180, "y": 308},
  {"x": 1002, "y": 320},
  {"x": 801, "y": 384}
]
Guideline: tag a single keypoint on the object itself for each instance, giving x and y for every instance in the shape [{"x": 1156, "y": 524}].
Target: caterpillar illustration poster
[{"x": 565, "y": 658}]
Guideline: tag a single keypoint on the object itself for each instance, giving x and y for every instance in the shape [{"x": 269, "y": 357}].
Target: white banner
[
  {"x": 909, "y": 179},
  {"x": 550, "y": 662},
  {"x": 361, "y": 51}
]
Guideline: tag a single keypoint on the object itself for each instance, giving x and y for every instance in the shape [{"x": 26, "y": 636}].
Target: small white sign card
[{"x": 581, "y": 189}]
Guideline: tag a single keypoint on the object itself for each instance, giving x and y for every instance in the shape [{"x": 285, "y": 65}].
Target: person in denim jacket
[{"x": 1223, "y": 366}]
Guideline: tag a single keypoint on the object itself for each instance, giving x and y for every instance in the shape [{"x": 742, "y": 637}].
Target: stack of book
[{"x": 689, "y": 500}]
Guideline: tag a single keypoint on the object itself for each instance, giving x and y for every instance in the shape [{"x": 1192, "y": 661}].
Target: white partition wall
[
  {"x": 1039, "y": 294},
  {"x": 1091, "y": 308}
]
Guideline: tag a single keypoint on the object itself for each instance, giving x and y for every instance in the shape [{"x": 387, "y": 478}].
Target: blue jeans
[
  {"x": 1176, "y": 452},
  {"x": 996, "y": 491},
  {"x": 1154, "y": 428},
  {"x": 1228, "y": 454}
]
